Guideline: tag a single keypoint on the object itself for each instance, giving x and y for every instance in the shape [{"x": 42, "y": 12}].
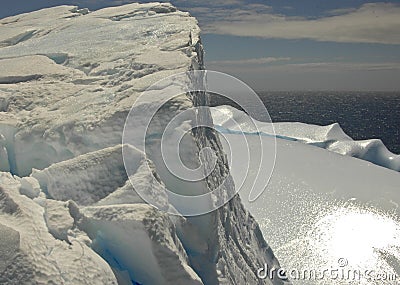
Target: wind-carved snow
[
  {"x": 330, "y": 137},
  {"x": 68, "y": 81}
]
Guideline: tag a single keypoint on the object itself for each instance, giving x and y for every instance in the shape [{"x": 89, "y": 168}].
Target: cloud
[
  {"x": 370, "y": 23},
  {"x": 208, "y": 3},
  {"x": 317, "y": 76},
  {"x": 342, "y": 66},
  {"x": 317, "y": 67},
  {"x": 340, "y": 11},
  {"x": 256, "y": 61},
  {"x": 210, "y": 12}
]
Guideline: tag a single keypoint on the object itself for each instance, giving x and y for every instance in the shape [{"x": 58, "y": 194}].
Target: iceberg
[
  {"x": 321, "y": 211},
  {"x": 69, "y": 213},
  {"x": 330, "y": 137}
]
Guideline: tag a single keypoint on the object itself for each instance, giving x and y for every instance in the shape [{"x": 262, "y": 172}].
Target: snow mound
[
  {"x": 85, "y": 179},
  {"x": 31, "y": 254},
  {"x": 138, "y": 241},
  {"x": 330, "y": 137},
  {"x": 99, "y": 178}
]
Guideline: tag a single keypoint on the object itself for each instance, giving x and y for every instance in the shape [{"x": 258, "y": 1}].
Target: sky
[{"x": 287, "y": 44}]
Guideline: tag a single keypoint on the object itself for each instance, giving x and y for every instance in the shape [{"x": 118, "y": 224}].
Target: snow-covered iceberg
[
  {"x": 321, "y": 211},
  {"x": 330, "y": 137},
  {"x": 68, "y": 213}
]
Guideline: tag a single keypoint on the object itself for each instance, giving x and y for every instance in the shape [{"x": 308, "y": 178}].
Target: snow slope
[
  {"x": 321, "y": 210},
  {"x": 68, "y": 78},
  {"x": 330, "y": 137}
]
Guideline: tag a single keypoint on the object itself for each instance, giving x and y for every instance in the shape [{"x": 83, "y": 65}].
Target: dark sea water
[{"x": 362, "y": 115}]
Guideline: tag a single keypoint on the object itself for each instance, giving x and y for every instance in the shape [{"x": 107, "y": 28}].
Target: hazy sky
[{"x": 288, "y": 44}]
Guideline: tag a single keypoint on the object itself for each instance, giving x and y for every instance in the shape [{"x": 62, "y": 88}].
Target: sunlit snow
[{"x": 323, "y": 210}]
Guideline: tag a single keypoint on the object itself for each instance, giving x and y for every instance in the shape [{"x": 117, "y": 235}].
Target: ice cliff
[{"x": 68, "y": 213}]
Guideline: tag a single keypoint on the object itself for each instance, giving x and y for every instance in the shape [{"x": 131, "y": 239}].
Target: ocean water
[{"x": 362, "y": 115}]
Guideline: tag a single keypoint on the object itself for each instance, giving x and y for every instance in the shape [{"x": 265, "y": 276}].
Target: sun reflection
[
  {"x": 350, "y": 238},
  {"x": 357, "y": 235}
]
